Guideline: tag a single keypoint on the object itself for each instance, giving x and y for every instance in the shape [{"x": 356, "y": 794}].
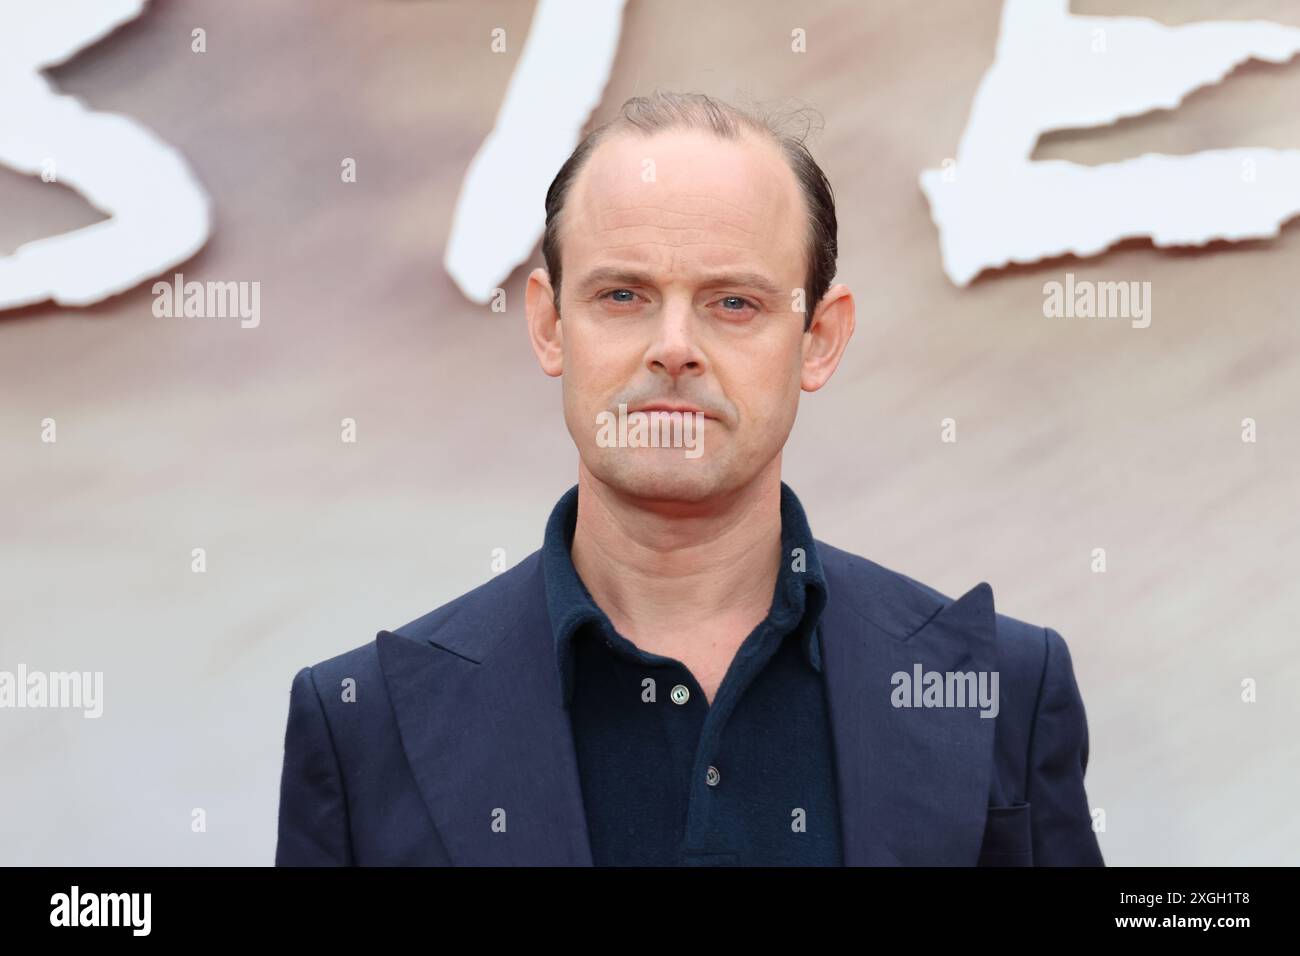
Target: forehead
[{"x": 685, "y": 201}]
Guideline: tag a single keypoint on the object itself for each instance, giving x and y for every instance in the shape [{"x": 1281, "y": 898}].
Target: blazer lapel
[
  {"x": 490, "y": 745},
  {"x": 486, "y": 734},
  {"x": 913, "y": 782}
]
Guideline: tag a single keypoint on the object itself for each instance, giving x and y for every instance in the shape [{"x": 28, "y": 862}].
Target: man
[{"x": 683, "y": 675}]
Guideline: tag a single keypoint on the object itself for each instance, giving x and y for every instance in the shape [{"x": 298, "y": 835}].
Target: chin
[{"x": 660, "y": 474}]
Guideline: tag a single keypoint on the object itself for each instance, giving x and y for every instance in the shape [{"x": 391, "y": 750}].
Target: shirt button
[
  {"x": 681, "y": 694},
  {"x": 712, "y": 777}
]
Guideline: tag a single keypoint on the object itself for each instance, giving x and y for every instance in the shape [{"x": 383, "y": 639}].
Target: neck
[{"x": 663, "y": 572}]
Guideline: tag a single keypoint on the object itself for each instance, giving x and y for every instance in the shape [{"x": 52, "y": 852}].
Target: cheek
[
  {"x": 766, "y": 388},
  {"x": 582, "y": 372},
  {"x": 590, "y": 381},
  {"x": 598, "y": 361}
]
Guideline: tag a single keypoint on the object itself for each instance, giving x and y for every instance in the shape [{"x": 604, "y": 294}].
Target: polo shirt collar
[{"x": 797, "y": 603}]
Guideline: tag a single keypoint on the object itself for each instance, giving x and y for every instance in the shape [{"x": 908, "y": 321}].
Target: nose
[{"x": 675, "y": 350}]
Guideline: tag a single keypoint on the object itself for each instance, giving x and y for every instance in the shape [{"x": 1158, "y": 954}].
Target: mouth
[{"x": 667, "y": 407}]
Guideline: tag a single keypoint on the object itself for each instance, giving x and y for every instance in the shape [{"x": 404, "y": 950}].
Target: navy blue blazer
[{"x": 456, "y": 749}]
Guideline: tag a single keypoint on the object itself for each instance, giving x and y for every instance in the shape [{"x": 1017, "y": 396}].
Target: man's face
[{"x": 682, "y": 254}]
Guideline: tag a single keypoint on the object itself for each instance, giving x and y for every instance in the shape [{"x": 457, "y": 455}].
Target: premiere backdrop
[{"x": 129, "y": 439}]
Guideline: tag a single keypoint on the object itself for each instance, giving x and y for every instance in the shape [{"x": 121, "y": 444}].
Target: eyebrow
[{"x": 617, "y": 275}]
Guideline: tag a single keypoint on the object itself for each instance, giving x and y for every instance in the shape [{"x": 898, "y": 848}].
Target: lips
[{"x": 666, "y": 407}]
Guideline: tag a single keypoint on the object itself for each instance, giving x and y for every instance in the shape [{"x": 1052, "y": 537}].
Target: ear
[
  {"x": 544, "y": 330},
  {"x": 827, "y": 337}
]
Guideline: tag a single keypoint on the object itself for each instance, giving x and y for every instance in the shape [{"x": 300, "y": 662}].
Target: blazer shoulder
[
  {"x": 496, "y": 600},
  {"x": 472, "y": 624},
  {"x": 358, "y": 663},
  {"x": 902, "y": 604}
]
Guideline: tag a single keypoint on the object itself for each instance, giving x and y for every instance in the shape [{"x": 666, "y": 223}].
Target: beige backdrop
[{"x": 175, "y": 434}]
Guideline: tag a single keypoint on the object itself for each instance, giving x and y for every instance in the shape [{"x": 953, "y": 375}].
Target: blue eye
[
  {"x": 743, "y": 303},
  {"x": 622, "y": 291}
]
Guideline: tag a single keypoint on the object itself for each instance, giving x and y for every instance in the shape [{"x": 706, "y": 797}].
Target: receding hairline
[
  {"x": 756, "y": 135},
  {"x": 664, "y": 111},
  {"x": 581, "y": 177}
]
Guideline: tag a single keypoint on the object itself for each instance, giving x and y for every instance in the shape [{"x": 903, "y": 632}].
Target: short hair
[{"x": 663, "y": 110}]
